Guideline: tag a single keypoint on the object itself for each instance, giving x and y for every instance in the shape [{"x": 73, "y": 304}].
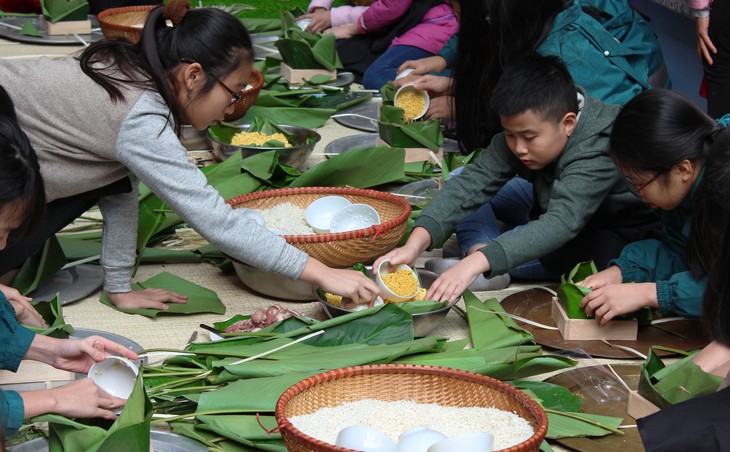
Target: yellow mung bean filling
[
  {"x": 257, "y": 139},
  {"x": 401, "y": 282},
  {"x": 334, "y": 300},
  {"x": 412, "y": 104}
]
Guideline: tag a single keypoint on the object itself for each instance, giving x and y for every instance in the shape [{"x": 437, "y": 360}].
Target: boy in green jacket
[{"x": 577, "y": 208}]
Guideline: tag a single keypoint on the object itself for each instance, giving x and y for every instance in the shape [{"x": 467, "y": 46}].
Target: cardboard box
[
  {"x": 417, "y": 154},
  {"x": 69, "y": 27},
  {"x": 297, "y": 76},
  {"x": 639, "y": 406},
  {"x": 590, "y": 329}
]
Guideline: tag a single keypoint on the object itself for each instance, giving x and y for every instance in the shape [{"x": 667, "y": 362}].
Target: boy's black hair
[
  {"x": 22, "y": 185},
  {"x": 537, "y": 83}
]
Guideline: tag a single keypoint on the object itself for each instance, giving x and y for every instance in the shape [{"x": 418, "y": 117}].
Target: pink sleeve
[
  {"x": 342, "y": 15},
  {"x": 699, "y": 4},
  {"x": 382, "y": 13},
  {"x": 326, "y": 4}
]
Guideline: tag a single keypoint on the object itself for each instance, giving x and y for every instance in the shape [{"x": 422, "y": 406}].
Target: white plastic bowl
[
  {"x": 422, "y": 93},
  {"x": 405, "y": 73},
  {"x": 115, "y": 375},
  {"x": 319, "y": 213},
  {"x": 418, "y": 439},
  {"x": 360, "y": 437},
  {"x": 252, "y": 214},
  {"x": 354, "y": 217},
  {"x": 472, "y": 442},
  {"x": 304, "y": 23},
  {"x": 384, "y": 269}
]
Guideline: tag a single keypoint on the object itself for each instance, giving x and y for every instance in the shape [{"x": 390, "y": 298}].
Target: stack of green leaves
[
  {"x": 302, "y": 50},
  {"x": 397, "y": 132},
  {"x": 570, "y": 294},
  {"x": 52, "y": 314},
  {"x": 65, "y": 10},
  {"x": 668, "y": 385}
]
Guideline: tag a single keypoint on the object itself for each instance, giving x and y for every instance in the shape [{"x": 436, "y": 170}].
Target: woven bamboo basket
[
  {"x": 250, "y": 96},
  {"x": 124, "y": 22},
  {"x": 393, "y": 382},
  {"x": 343, "y": 249}
]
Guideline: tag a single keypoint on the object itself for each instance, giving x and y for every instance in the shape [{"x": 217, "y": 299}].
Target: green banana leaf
[
  {"x": 668, "y": 385},
  {"x": 199, "y": 300},
  {"x": 488, "y": 329},
  {"x": 570, "y": 294},
  {"x": 39, "y": 267},
  {"x": 259, "y": 25},
  {"x": 398, "y": 133},
  {"x": 302, "y": 50},
  {"x": 225, "y": 133},
  {"x": 52, "y": 313},
  {"x": 311, "y": 117},
  {"x": 360, "y": 168},
  {"x": 65, "y": 10},
  {"x": 131, "y": 430},
  {"x": 29, "y": 29},
  {"x": 246, "y": 430}
]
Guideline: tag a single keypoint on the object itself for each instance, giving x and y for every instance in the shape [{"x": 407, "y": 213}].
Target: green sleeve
[
  {"x": 15, "y": 339},
  {"x": 12, "y": 412}
]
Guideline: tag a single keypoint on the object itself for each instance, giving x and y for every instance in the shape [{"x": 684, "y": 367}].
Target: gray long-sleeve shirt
[{"x": 84, "y": 142}]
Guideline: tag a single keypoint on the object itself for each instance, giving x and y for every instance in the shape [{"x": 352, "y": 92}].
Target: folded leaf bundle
[
  {"x": 302, "y": 50},
  {"x": 668, "y": 385},
  {"x": 397, "y": 132},
  {"x": 65, "y": 10},
  {"x": 570, "y": 294}
]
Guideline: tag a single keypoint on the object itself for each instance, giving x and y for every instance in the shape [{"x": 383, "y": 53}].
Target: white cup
[{"x": 115, "y": 375}]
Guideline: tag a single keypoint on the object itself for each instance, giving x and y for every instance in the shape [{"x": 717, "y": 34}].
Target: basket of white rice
[
  {"x": 396, "y": 398},
  {"x": 342, "y": 249}
]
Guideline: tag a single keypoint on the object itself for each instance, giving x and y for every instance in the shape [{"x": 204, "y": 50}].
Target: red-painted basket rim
[
  {"x": 531, "y": 443},
  {"x": 373, "y": 231}
]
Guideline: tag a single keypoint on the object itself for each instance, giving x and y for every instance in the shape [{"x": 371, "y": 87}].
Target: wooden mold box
[
  {"x": 69, "y": 27},
  {"x": 297, "y": 76},
  {"x": 417, "y": 154},
  {"x": 590, "y": 329},
  {"x": 639, "y": 406}
]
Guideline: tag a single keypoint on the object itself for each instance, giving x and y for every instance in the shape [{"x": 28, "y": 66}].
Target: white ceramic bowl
[
  {"x": 353, "y": 217},
  {"x": 420, "y": 92},
  {"x": 115, "y": 375},
  {"x": 384, "y": 269},
  {"x": 360, "y": 437},
  {"x": 418, "y": 439},
  {"x": 319, "y": 213},
  {"x": 472, "y": 442}
]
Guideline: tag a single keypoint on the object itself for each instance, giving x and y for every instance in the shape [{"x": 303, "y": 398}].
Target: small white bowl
[
  {"x": 115, "y": 375},
  {"x": 304, "y": 23},
  {"x": 420, "y": 92},
  {"x": 252, "y": 214},
  {"x": 353, "y": 217},
  {"x": 384, "y": 269},
  {"x": 319, "y": 213},
  {"x": 472, "y": 442},
  {"x": 418, "y": 439},
  {"x": 405, "y": 73},
  {"x": 360, "y": 437}
]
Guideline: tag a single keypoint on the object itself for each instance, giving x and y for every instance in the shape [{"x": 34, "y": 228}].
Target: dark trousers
[
  {"x": 718, "y": 74},
  {"x": 59, "y": 214}
]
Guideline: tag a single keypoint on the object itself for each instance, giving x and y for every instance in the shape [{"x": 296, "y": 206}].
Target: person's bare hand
[
  {"x": 79, "y": 399},
  {"x": 613, "y": 300},
  {"x": 343, "y": 31},
  {"x": 705, "y": 47},
  {"x": 454, "y": 281},
  {"x": 321, "y": 20},
  {"x": 611, "y": 275},
  {"x": 78, "y": 355},
  {"x": 436, "y": 85},
  {"x": 435, "y": 63},
  {"x": 146, "y": 299},
  {"x": 26, "y": 313},
  {"x": 352, "y": 285},
  {"x": 441, "y": 107},
  {"x": 403, "y": 255}
]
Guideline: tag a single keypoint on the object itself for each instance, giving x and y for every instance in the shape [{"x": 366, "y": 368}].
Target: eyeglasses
[
  {"x": 636, "y": 189},
  {"x": 235, "y": 96}
]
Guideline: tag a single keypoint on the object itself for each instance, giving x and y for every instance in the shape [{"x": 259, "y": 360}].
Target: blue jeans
[
  {"x": 384, "y": 68},
  {"x": 510, "y": 206}
]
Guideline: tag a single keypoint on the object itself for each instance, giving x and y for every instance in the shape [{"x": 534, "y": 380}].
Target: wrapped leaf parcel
[
  {"x": 65, "y": 10},
  {"x": 302, "y": 50},
  {"x": 668, "y": 385},
  {"x": 398, "y": 132},
  {"x": 570, "y": 294}
]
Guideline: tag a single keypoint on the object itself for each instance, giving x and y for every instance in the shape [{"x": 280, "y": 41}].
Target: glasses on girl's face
[
  {"x": 637, "y": 188},
  {"x": 235, "y": 96}
]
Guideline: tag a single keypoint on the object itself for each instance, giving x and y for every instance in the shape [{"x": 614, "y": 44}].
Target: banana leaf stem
[
  {"x": 169, "y": 374},
  {"x": 177, "y": 383},
  {"x": 187, "y": 389},
  {"x": 587, "y": 421},
  {"x": 200, "y": 413}
]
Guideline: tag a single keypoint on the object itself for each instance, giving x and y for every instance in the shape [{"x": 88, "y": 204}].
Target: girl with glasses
[
  {"x": 661, "y": 142},
  {"x": 111, "y": 117}
]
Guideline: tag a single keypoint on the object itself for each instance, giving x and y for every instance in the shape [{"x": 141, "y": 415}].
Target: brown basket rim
[
  {"x": 123, "y": 9},
  {"x": 373, "y": 231},
  {"x": 255, "y": 73},
  {"x": 531, "y": 443}
]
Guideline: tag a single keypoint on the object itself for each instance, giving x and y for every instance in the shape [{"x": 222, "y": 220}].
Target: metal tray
[
  {"x": 366, "y": 119},
  {"x": 10, "y": 29},
  {"x": 73, "y": 283},
  {"x": 159, "y": 442},
  {"x": 368, "y": 140}
]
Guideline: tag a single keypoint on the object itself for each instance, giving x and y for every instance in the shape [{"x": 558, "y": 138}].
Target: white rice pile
[
  {"x": 286, "y": 217},
  {"x": 394, "y": 418}
]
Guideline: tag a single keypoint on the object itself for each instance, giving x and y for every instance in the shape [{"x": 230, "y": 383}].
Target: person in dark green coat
[
  {"x": 555, "y": 137},
  {"x": 661, "y": 141}
]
